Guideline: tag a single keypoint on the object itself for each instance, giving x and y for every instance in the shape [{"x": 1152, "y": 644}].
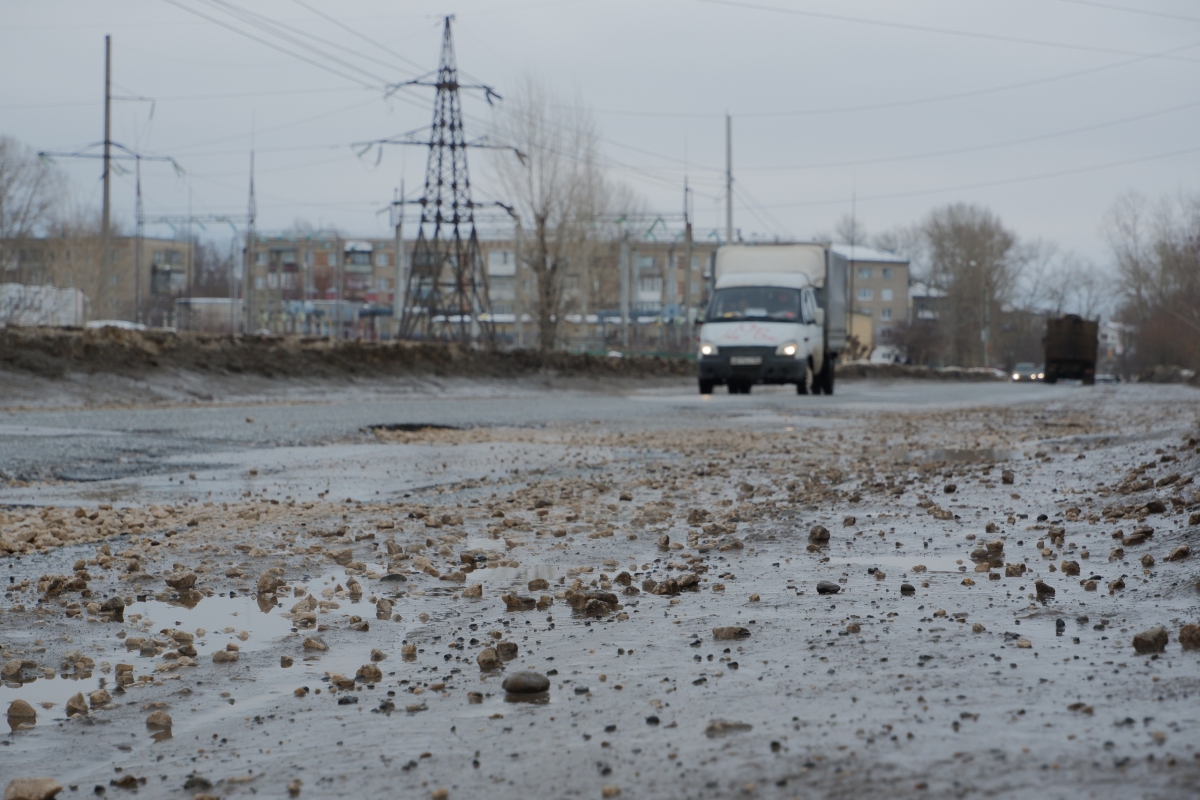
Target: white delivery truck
[{"x": 777, "y": 315}]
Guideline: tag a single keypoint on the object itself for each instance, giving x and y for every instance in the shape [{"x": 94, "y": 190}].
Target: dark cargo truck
[{"x": 1070, "y": 345}]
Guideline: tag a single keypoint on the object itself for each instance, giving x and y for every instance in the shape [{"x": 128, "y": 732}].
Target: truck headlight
[
  {"x": 787, "y": 349},
  {"x": 708, "y": 349},
  {"x": 1016, "y": 377},
  {"x": 1041, "y": 375}
]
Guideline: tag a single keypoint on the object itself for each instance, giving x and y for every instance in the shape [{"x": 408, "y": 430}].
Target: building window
[
  {"x": 866, "y": 312},
  {"x": 260, "y": 258},
  {"x": 864, "y": 273},
  {"x": 887, "y": 273},
  {"x": 651, "y": 284},
  {"x": 885, "y": 313},
  {"x": 381, "y": 259},
  {"x": 570, "y": 283},
  {"x": 260, "y": 282},
  {"x": 885, "y": 294},
  {"x": 272, "y": 280},
  {"x": 331, "y": 259},
  {"x": 866, "y": 294}
]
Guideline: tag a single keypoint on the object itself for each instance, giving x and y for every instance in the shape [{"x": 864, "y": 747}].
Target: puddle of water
[
  {"x": 951, "y": 456},
  {"x": 56, "y": 690},
  {"x": 906, "y": 563},
  {"x": 215, "y": 615}
]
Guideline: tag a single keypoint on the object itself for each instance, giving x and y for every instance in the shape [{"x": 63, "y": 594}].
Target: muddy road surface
[{"x": 906, "y": 590}]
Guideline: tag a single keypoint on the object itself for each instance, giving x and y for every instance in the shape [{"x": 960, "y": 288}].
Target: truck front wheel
[
  {"x": 807, "y": 384},
  {"x": 706, "y": 387}
]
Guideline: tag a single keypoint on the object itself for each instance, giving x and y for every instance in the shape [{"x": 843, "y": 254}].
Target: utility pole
[
  {"x": 401, "y": 276},
  {"x": 106, "y": 247},
  {"x": 728, "y": 179},
  {"x": 137, "y": 245},
  {"x": 625, "y": 289},
  {"x": 687, "y": 255},
  {"x": 248, "y": 276}
]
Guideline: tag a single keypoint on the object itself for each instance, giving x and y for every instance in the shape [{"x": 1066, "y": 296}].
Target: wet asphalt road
[{"x": 97, "y": 445}]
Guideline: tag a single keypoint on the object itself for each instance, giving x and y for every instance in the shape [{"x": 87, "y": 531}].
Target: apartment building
[
  {"x": 878, "y": 286},
  {"x": 144, "y": 277}
]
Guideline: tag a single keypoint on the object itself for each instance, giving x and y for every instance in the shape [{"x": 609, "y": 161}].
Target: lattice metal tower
[{"x": 447, "y": 295}]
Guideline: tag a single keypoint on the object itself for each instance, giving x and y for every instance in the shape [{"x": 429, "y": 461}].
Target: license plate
[{"x": 745, "y": 361}]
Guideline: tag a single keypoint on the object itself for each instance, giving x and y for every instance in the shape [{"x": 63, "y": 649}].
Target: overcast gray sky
[{"x": 1043, "y": 110}]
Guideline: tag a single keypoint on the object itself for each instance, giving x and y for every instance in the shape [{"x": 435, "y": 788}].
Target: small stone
[
  {"x": 1007, "y": 476},
  {"x": 225, "y": 656},
  {"x": 730, "y": 632},
  {"x": 474, "y": 698},
  {"x": 853, "y": 627},
  {"x": 506, "y": 651},
  {"x": 315, "y": 643},
  {"x": 377, "y": 655},
  {"x": 369, "y": 673},
  {"x": 77, "y": 706},
  {"x": 1179, "y": 553},
  {"x": 610, "y": 791},
  {"x": 907, "y": 589},
  {"x": 1147, "y": 561},
  {"x": 20, "y": 710},
  {"x": 269, "y": 582},
  {"x": 539, "y": 585},
  {"x": 1024, "y": 644},
  {"x": 181, "y": 581},
  {"x": 526, "y": 683},
  {"x": 518, "y": 603},
  {"x": 158, "y": 719},
  {"x": 950, "y": 488},
  {"x": 487, "y": 659},
  {"x": 819, "y": 533},
  {"x": 113, "y": 607},
  {"x": 286, "y": 661},
  {"x": 720, "y": 727},
  {"x": 99, "y": 698},
  {"x": 473, "y": 590},
  {"x": 1153, "y": 640},
  {"x": 1044, "y": 590},
  {"x": 978, "y": 628},
  {"x": 293, "y": 788},
  {"x": 32, "y": 789},
  {"x": 1189, "y": 637},
  {"x": 828, "y": 587},
  {"x": 440, "y": 794},
  {"x": 1072, "y": 567}
]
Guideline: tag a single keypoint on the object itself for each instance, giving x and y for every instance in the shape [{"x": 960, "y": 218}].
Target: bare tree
[
  {"x": 1156, "y": 250},
  {"x": 556, "y": 188},
  {"x": 975, "y": 260},
  {"x": 29, "y": 191}
]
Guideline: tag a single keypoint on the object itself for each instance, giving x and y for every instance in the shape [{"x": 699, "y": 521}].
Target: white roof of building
[{"x": 853, "y": 252}]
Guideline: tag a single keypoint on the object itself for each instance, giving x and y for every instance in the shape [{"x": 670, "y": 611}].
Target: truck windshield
[{"x": 754, "y": 302}]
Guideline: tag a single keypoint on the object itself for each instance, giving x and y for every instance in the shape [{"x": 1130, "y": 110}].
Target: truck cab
[{"x": 766, "y": 322}]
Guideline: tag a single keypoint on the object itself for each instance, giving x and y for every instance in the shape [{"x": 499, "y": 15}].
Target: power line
[
  {"x": 995, "y": 37},
  {"x": 353, "y": 32},
  {"x": 982, "y": 147},
  {"x": 274, "y": 46},
  {"x": 277, "y": 29},
  {"x": 999, "y": 182},
  {"x": 1144, "y": 11}
]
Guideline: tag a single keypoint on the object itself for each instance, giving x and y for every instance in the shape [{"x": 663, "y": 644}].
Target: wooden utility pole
[
  {"x": 728, "y": 179},
  {"x": 106, "y": 210}
]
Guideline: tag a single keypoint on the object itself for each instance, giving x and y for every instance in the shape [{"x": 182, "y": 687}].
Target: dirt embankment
[{"x": 56, "y": 352}]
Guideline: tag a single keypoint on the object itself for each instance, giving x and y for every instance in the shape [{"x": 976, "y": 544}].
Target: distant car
[{"x": 1027, "y": 371}]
